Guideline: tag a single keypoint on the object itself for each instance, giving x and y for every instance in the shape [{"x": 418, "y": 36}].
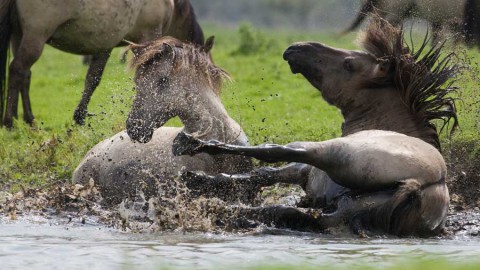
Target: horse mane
[
  {"x": 424, "y": 77},
  {"x": 184, "y": 55}
]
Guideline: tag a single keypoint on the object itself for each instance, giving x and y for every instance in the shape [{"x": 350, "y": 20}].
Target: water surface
[{"x": 41, "y": 243}]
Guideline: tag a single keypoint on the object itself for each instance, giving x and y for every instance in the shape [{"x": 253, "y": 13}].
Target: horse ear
[
  {"x": 134, "y": 47},
  {"x": 207, "y": 47},
  {"x": 383, "y": 68},
  {"x": 166, "y": 48}
]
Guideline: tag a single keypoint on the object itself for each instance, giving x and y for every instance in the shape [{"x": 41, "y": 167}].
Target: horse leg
[
  {"x": 27, "y": 107},
  {"x": 94, "y": 76},
  {"x": 15, "y": 42},
  {"x": 28, "y": 52},
  {"x": 245, "y": 186},
  {"x": 186, "y": 144}
]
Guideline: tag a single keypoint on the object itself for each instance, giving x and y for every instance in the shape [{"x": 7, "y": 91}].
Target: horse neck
[
  {"x": 208, "y": 120},
  {"x": 184, "y": 24},
  {"x": 383, "y": 109}
]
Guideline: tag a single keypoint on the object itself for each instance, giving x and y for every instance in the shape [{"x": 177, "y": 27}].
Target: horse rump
[{"x": 404, "y": 214}]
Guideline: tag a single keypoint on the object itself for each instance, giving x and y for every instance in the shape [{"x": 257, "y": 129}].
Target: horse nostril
[{"x": 288, "y": 52}]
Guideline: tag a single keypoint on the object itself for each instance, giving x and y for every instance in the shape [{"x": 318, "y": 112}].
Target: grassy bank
[{"x": 268, "y": 101}]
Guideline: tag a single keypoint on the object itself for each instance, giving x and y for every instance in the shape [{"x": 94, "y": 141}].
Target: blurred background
[{"x": 302, "y": 14}]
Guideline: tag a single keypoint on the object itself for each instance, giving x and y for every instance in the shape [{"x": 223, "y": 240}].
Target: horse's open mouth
[
  {"x": 294, "y": 67},
  {"x": 311, "y": 74}
]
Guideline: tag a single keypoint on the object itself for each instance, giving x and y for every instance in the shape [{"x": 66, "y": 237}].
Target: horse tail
[
  {"x": 367, "y": 8},
  {"x": 5, "y": 32},
  {"x": 402, "y": 214},
  {"x": 471, "y": 24}
]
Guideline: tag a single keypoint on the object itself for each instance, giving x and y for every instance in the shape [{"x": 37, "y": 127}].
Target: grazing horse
[
  {"x": 458, "y": 16},
  {"x": 92, "y": 27},
  {"x": 172, "y": 79},
  {"x": 386, "y": 174}
]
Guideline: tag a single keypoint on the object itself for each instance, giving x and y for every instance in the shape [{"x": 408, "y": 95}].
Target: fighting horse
[
  {"x": 457, "y": 16},
  {"x": 386, "y": 173},
  {"x": 92, "y": 27},
  {"x": 172, "y": 79}
]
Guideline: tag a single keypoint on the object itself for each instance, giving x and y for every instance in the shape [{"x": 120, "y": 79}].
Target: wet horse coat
[
  {"x": 172, "y": 79},
  {"x": 92, "y": 27},
  {"x": 386, "y": 175}
]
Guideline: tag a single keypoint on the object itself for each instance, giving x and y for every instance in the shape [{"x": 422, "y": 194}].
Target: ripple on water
[{"x": 36, "y": 242}]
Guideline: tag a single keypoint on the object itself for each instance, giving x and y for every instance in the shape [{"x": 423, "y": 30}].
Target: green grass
[
  {"x": 268, "y": 101},
  {"x": 410, "y": 265}
]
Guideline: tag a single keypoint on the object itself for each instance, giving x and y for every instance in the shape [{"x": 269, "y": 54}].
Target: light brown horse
[
  {"x": 386, "y": 174},
  {"x": 460, "y": 17},
  {"x": 172, "y": 79},
  {"x": 91, "y": 27}
]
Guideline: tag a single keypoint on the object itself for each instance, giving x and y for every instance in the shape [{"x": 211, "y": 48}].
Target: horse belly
[
  {"x": 98, "y": 25},
  {"x": 394, "y": 11},
  {"x": 121, "y": 167},
  {"x": 441, "y": 11},
  {"x": 381, "y": 162}
]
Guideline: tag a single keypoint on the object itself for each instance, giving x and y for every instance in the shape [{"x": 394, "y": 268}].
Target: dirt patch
[
  {"x": 463, "y": 161},
  {"x": 175, "y": 211}
]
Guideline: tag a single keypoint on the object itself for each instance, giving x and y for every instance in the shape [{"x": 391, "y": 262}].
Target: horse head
[
  {"x": 387, "y": 85},
  {"x": 169, "y": 77},
  {"x": 338, "y": 74}
]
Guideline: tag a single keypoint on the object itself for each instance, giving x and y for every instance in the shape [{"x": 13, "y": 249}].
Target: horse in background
[
  {"x": 386, "y": 174},
  {"x": 457, "y": 16},
  {"x": 81, "y": 27},
  {"x": 172, "y": 79}
]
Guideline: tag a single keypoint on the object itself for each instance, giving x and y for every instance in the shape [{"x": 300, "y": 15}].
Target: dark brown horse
[
  {"x": 386, "y": 174},
  {"x": 91, "y": 27}
]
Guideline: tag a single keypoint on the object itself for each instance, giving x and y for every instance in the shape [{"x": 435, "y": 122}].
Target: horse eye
[
  {"x": 348, "y": 65},
  {"x": 162, "y": 82}
]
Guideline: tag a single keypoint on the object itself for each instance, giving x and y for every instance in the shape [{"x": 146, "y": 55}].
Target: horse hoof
[
  {"x": 79, "y": 116},
  {"x": 186, "y": 144},
  {"x": 8, "y": 123}
]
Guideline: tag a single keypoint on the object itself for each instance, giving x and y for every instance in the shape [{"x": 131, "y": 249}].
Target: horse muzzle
[{"x": 137, "y": 131}]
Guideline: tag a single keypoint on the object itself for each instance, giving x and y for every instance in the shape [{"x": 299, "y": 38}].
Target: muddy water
[{"x": 40, "y": 243}]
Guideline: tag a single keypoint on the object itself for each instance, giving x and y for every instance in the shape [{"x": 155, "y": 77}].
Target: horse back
[{"x": 90, "y": 26}]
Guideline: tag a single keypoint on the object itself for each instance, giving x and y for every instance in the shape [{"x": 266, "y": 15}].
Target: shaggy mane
[
  {"x": 185, "y": 56},
  {"x": 424, "y": 77}
]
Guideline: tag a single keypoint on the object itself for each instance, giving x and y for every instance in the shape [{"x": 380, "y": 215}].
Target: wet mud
[{"x": 176, "y": 209}]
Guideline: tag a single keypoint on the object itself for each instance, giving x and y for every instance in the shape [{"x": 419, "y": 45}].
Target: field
[{"x": 270, "y": 103}]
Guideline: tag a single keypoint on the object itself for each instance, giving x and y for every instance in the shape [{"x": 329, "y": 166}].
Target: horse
[
  {"x": 91, "y": 27},
  {"x": 386, "y": 173},
  {"x": 172, "y": 79},
  {"x": 457, "y": 16}
]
